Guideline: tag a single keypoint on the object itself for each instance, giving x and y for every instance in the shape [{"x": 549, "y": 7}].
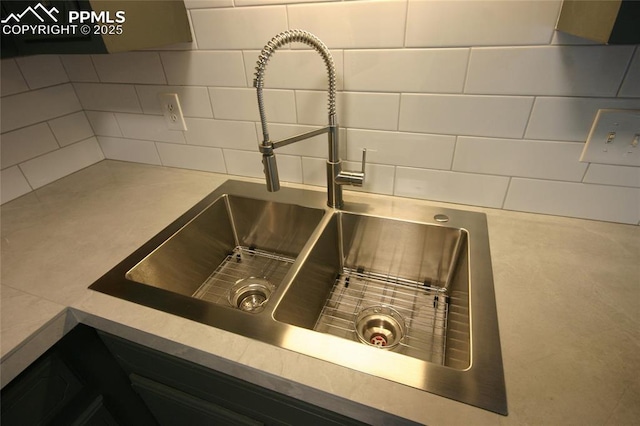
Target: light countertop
[{"x": 567, "y": 293}]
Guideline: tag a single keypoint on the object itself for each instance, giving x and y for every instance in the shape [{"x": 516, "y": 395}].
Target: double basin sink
[{"x": 383, "y": 287}]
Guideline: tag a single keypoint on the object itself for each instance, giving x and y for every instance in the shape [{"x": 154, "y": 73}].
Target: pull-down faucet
[{"x": 336, "y": 177}]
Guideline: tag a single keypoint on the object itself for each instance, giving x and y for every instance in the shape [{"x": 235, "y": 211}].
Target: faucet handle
[
  {"x": 355, "y": 178},
  {"x": 364, "y": 160}
]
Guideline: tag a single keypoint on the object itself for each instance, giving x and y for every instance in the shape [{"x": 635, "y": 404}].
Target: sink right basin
[{"x": 391, "y": 284}]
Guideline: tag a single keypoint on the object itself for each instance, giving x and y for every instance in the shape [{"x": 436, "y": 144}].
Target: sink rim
[{"x": 482, "y": 384}]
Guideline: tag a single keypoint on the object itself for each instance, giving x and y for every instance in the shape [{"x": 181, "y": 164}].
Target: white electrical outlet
[
  {"x": 172, "y": 111},
  {"x": 614, "y": 138}
]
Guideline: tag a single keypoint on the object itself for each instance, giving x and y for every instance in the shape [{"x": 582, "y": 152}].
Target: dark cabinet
[
  {"x": 49, "y": 382},
  {"x": 603, "y": 21},
  {"x": 76, "y": 382},
  {"x": 173, "y": 407},
  {"x": 93, "y": 378},
  {"x": 174, "y": 388}
]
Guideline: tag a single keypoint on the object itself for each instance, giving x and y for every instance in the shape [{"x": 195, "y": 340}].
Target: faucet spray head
[{"x": 271, "y": 172}]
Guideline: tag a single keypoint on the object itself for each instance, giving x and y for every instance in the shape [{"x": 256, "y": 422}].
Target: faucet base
[{"x": 334, "y": 191}]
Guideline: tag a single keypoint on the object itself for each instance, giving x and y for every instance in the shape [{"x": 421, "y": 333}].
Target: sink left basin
[
  {"x": 231, "y": 251},
  {"x": 234, "y": 240}
]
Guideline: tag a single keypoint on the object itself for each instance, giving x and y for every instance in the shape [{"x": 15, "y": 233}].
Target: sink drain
[
  {"x": 250, "y": 294},
  {"x": 380, "y": 326}
]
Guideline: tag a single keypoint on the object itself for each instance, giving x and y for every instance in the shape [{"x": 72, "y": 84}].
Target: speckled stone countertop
[{"x": 567, "y": 290}]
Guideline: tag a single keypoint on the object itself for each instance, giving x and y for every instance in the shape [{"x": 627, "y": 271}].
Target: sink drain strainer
[
  {"x": 250, "y": 294},
  {"x": 380, "y": 326}
]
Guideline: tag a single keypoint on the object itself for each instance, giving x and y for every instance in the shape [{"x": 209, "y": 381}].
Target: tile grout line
[
  {"x": 526, "y": 126},
  {"x": 626, "y": 73},
  {"x": 506, "y": 193}
]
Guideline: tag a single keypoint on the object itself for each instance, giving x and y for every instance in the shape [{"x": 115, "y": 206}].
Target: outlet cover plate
[
  {"x": 614, "y": 138},
  {"x": 172, "y": 111}
]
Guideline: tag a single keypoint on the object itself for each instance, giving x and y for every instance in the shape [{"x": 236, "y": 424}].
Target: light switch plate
[{"x": 614, "y": 138}]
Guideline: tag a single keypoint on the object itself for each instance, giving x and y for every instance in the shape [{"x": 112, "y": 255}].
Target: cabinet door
[
  {"x": 40, "y": 393},
  {"x": 88, "y": 410},
  {"x": 172, "y": 407},
  {"x": 203, "y": 384},
  {"x": 76, "y": 382}
]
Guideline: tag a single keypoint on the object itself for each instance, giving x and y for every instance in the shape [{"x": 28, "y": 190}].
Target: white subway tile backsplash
[
  {"x": 198, "y": 68},
  {"x": 407, "y": 70},
  {"x": 453, "y": 187},
  {"x": 26, "y": 143},
  {"x": 314, "y": 171},
  {"x": 42, "y": 70},
  {"x": 480, "y": 23},
  {"x": 137, "y": 151},
  {"x": 295, "y": 69},
  {"x": 238, "y": 28},
  {"x": 194, "y": 101},
  {"x": 352, "y": 25},
  {"x": 242, "y": 104},
  {"x": 569, "y": 119},
  {"x": 57, "y": 164},
  {"x": 71, "y": 128},
  {"x": 104, "y": 123},
  {"x": 377, "y": 111},
  {"x": 499, "y": 116},
  {"x": 129, "y": 67},
  {"x": 401, "y": 149},
  {"x": 108, "y": 97},
  {"x": 12, "y": 184},
  {"x": 244, "y": 163},
  {"x": 560, "y": 38},
  {"x": 524, "y": 158},
  {"x": 311, "y": 107},
  {"x": 599, "y": 202},
  {"x": 631, "y": 84},
  {"x": 192, "y": 157},
  {"x": 32, "y": 107},
  {"x": 80, "y": 68},
  {"x": 263, "y": 2},
  {"x": 221, "y": 133},
  {"x": 568, "y": 70},
  {"x": 613, "y": 175},
  {"x": 205, "y": 4},
  {"x": 470, "y": 101},
  {"x": 12, "y": 80},
  {"x": 148, "y": 127}
]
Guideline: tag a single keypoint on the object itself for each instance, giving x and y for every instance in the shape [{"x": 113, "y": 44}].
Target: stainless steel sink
[{"x": 383, "y": 286}]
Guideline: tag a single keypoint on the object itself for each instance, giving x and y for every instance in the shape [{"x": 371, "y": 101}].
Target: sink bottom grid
[
  {"x": 242, "y": 263},
  {"x": 424, "y": 311}
]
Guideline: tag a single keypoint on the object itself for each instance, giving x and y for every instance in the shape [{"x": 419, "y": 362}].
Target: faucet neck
[
  {"x": 286, "y": 37},
  {"x": 335, "y": 176}
]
